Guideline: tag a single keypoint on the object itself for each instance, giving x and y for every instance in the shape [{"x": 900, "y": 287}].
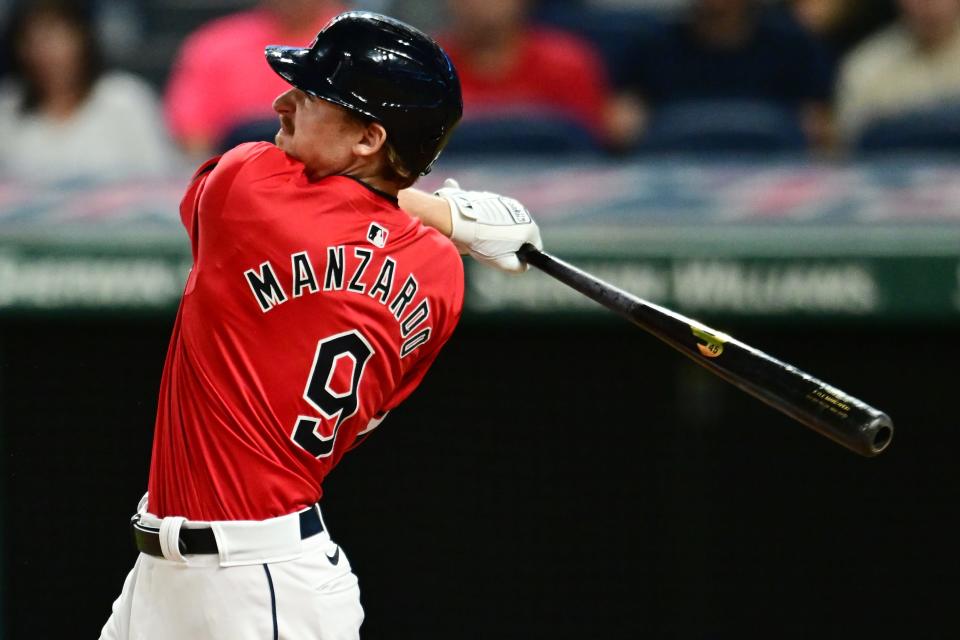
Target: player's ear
[{"x": 373, "y": 138}]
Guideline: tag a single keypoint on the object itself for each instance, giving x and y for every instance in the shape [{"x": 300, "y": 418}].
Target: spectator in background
[
  {"x": 219, "y": 80},
  {"x": 663, "y": 6},
  {"x": 61, "y": 115},
  {"x": 507, "y": 66},
  {"x": 728, "y": 50},
  {"x": 913, "y": 64},
  {"x": 842, "y": 24},
  {"x": 4, "y": 61}
]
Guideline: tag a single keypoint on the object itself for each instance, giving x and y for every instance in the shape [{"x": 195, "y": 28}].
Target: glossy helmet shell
[{"x": 383, "y": 69}]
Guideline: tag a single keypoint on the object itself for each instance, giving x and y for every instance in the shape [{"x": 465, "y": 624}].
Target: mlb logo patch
[{"x": 377, "y": 235}]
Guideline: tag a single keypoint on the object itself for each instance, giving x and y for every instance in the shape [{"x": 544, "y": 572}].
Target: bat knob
[{"x": 879, "y": 432}]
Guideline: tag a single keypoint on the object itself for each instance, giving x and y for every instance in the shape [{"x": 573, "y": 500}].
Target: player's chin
[{"x": 283, "y": 141}]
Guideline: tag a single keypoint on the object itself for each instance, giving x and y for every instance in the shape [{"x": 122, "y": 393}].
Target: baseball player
[{"x": 321, "y": 292}]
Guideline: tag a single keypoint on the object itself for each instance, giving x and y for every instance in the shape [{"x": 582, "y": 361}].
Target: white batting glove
[{"x": 490, "y": 227}]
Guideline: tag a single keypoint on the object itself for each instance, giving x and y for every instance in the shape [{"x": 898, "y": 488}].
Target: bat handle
[{"x": 528, "y": 253}]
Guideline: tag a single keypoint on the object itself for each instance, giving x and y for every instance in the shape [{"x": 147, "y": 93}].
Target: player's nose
[{"x": 285, "y": 104}]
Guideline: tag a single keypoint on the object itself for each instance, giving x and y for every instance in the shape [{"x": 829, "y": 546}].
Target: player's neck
[
  {"x": 382, "y": 186},
  {"x": 370, "y": 172}
]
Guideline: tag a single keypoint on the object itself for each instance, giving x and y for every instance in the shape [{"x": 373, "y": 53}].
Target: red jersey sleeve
[
  {"x": 190, "y": 205},
  {"x": 226, "y": 176},
  {"x": 247, "y": 179}
]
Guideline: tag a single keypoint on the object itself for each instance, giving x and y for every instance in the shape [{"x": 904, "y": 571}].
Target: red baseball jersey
[{"x": 312, "y": 309}]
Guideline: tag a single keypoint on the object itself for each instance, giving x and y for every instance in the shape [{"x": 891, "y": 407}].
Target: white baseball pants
[{"x": 264, "y": 585}]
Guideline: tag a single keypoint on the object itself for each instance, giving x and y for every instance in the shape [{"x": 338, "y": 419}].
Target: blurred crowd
[{"x": 819, "y": 77}]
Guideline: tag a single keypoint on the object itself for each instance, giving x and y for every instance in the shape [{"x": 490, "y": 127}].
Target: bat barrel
[
  {"x": 832, "y": 413},
  {"x": 821, "y": 407}
]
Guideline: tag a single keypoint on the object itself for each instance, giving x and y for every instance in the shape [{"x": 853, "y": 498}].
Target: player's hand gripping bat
[{"x": 817, "y": 405}]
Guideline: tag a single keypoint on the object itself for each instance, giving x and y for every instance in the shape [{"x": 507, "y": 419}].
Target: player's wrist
[
  {"x": 435, "y": 212},
  {"x": 463, "y": 222}
]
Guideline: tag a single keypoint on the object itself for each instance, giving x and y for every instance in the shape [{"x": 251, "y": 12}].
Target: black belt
[{"x": 201, "y": 541}]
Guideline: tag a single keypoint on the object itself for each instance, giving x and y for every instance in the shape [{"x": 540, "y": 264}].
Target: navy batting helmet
[{"x": 383, "y": 69}]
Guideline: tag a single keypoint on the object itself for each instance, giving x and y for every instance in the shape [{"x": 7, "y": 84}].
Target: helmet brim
[
  {"x": 288, "y": 62},
  {"x": 293, "y": 64}
]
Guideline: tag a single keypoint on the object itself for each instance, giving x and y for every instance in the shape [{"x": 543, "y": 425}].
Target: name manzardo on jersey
[{"x": 269, "y": 293}]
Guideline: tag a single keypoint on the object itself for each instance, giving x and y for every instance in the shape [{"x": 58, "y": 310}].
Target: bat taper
[{"x": 827, "y": 410}]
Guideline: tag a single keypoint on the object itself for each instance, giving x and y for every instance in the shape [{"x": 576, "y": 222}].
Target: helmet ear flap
[
  {"x": 429, "y": 146},
  {"x": 382, "y": 69}
]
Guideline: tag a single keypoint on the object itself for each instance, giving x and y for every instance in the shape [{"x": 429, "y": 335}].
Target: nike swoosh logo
[{"x": 335, "y": 558}]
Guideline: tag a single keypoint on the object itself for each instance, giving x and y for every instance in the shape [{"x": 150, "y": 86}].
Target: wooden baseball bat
[{"x": 815, "y": 404}]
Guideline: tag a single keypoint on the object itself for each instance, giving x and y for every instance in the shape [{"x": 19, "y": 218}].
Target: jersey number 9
[{"x": 329, "y": 402}]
